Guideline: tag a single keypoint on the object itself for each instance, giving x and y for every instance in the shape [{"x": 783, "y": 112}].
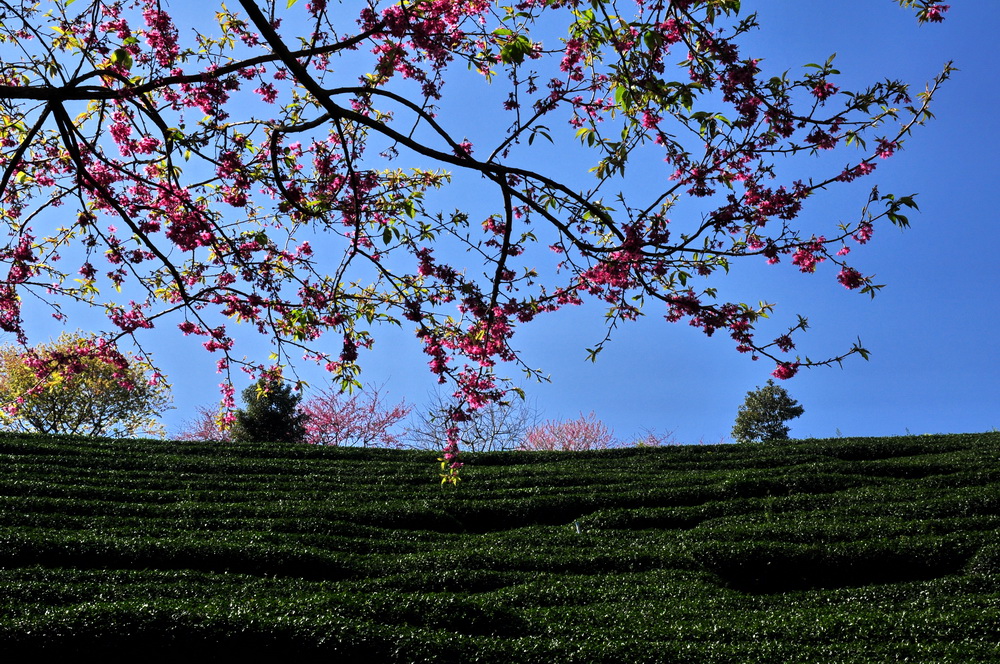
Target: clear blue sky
[{"x": 931, "y": 331}]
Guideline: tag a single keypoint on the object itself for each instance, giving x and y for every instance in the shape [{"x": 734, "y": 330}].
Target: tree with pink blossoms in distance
[
  {"x": 331, "y": 418},
  {"x": 652, "y": 438},
  {"x": 584, "y": 433},
  {"x": 272, "y": 166},
  {"x": 357, "y": 420},
  {"x": 205, "y": 426}
]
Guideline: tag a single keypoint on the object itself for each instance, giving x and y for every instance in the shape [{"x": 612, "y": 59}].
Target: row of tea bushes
[
  {"x": 810, "y": 551},
  {"x": 545, "y": 618}
]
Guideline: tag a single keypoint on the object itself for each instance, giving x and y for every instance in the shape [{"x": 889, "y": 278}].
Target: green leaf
[
  {"x": 652, "y": 40},
  {"x": 622, "y": 97},
  {"x": 539, "y": 131},
  {"x": 290, "y": 3},
  {"x": 515, "y": 50},
  {"x": 122, "y": 58}
]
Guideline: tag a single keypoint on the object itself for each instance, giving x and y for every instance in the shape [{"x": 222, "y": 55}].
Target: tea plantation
[{"x": 845, "y": 550}]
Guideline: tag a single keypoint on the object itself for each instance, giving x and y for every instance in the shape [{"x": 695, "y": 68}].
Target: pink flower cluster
[
  {"x": 161, "y": 35},
  {"x": 851, "y": 278},
  {"x": 824, "y": 90},
  {"x": 785, "y": 370},
  {"x": 935, "y": 13},
  {"x": 70, "y": 362},
  {"x": 810, "y": 254},
  {"x": 450, "y": 464}
]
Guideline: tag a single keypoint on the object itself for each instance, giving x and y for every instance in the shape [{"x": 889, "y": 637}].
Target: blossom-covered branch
[{"x": 281, "y": 170}]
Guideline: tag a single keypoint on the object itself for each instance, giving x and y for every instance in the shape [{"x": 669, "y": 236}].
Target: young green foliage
[{"x": 764, "y": 413}]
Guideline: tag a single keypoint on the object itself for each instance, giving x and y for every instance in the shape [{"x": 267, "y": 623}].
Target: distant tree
[
  {"x": 329, "y": 418},
  {"x": 359, "y": 420},
  {"x": 764, "y": 413},
  {"x": 583, "y": 433},
  {"x": 99, "y": 392},
  {"x": 499, "y": 425},
  {"x": 205, "y": 426},
  {"x": 651, "y": 438},
  {"x": 272, "y": 414}
]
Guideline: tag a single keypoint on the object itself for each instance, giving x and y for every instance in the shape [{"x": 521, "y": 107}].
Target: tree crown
[
  {"x": 272, "y": 414},
  {"x": 80, "y": 385},
  {"x": 763, "y": 414}
]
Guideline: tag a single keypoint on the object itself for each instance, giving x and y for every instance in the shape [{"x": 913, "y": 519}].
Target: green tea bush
[{"x": 986, "y": 561}]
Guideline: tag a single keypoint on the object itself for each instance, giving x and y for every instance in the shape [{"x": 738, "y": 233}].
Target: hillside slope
[{"x": 845, "y": 550}]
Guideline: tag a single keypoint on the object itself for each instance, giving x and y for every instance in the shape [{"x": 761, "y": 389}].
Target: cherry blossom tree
[
  {"x": 653, "y": 438},
  {"x": 357, "y": 420},
  {"x": 584, "y": 433},
  {"x": 329, "y": 417},
  {"x": 205, "y": 426},
  {"x": 278, "y": 166}
]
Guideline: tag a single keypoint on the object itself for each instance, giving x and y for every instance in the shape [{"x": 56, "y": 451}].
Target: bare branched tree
[{"x": 500, "y": 425}]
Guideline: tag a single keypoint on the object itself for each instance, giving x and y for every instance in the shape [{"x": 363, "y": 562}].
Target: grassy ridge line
[{"x": 852, "y": 550}]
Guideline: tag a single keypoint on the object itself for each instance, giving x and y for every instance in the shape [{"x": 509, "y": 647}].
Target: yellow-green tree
[{"x": 80, "y": 385}]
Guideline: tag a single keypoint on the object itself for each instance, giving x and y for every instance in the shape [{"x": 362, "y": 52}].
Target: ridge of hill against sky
[{"x": 931, "y": 330}]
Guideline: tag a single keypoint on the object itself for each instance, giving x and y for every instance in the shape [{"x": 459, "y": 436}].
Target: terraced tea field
[{"x": 845, "y": 550}]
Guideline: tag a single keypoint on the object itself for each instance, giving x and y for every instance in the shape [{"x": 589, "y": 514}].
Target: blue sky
[{"x": 931, "y": 330}]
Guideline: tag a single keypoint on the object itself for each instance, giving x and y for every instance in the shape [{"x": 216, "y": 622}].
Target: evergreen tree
[
  {"x": 764, "y": 413},
  {"x": 272, "y": 415}
]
